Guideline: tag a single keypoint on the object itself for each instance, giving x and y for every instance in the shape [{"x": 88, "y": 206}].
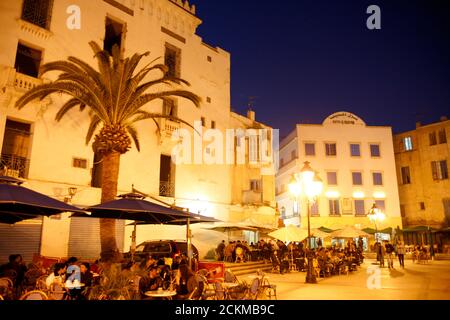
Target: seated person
[
  {"x": 86, "y": 274},
  {"x": 151, "y": 282},
  {"x": 58, "y": 275},
  {"x": 185, "y": 282}
]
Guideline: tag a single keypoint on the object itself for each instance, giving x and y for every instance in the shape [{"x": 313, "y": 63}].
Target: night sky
[{"x": 305, "y": 59}]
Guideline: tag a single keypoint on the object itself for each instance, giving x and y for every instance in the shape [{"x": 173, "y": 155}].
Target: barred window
[{"x": 38, "y": 12}]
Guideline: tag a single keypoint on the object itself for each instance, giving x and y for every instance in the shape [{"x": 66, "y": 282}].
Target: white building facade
[
  {"x": 53, "y": 157},
  {"x": 357, "y": 166}
]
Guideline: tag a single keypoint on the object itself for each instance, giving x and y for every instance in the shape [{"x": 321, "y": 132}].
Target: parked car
[{"x": 161, "y": 249}]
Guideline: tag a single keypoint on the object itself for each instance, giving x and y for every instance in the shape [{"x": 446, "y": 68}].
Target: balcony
[
  {"x": 251, "y": 197},
  {"x": 14, "y": 166},
  {"x": 22, "y": 82},
  {"x": 167, "y": 189}
]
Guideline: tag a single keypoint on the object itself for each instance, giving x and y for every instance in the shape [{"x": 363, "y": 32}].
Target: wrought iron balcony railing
[
  {"x": 167, "y": 189},
  {"x": 13, "y": 165}
]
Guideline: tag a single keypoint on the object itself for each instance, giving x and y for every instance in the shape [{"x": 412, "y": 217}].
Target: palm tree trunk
[{"x": 110, "y": 177}]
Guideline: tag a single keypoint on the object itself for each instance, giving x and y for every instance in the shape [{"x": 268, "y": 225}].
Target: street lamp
[
  {"x": 307, "y": 182},
  {"x": 375, "y": 215}
]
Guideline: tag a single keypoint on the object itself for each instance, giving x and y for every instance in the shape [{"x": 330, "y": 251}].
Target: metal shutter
[
  {"x": 23, "y": 238},
  {"x": 84, "y": 237}
]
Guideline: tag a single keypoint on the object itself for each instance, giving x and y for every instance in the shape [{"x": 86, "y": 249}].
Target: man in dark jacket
[{"x": 390, "y": 254}]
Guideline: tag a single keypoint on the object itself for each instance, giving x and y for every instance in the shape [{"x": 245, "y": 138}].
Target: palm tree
[{"x": 115, "y": 97}]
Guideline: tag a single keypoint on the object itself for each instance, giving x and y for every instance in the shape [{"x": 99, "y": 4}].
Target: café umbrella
[
  {"x": 132, "y": 206},
  {"x": 228, "y": 227},
  {"x": 18, "y": 203}
]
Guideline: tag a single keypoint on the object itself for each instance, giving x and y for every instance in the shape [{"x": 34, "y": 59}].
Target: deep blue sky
[{"x": 305, "y": 59}]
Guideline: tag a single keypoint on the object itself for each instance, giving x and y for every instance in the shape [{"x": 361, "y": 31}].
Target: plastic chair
[
  {"x": 219, "y": 291},
  {"x": 254, "y": 289},
  {"x": 34, "y": 295},
  {"x": 56, "y": 292}
]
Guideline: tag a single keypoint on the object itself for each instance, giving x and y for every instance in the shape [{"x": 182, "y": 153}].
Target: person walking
[
  {"x": 401, "y": 253},
  {"x": 390, "y": 254},
  {"x": 381, "y": 254}
]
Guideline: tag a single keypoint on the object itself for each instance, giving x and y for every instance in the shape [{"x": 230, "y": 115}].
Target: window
[
  {"x": 209, "y": 58},
  {"x": 381, "y": 205},
  {"x": 37, "y": 12},
  {"x": 355, "y": 150},
  {"x": 357, "y": 178},
  {"x": 332, "y": 178},
  {"x": 432, "y": 137},
  {"x": 442, "y": 136},
  {"x": 293, "y": 154},
  {"x": 330, "y": 149},
  {"x": 406, "y": 175},
  {"x": 203, "y": 120},
  {"x": 377, "y": 178},
  {"x": 295, "y": 208},
  {"x": 213, "y": 124},
  {"x": 170, "y": 108},
  {"x": 315, "y": 208},
  {"x": 79, "y": 163},
  {"x": 172, "y": 59},
  {"x": 16, "y": 142},
  {"x": 375, "y": 150},
  {"x": 283, "y": 213},
  {"x": 166, "y": 177},
  {"x": 28, "y": 60},
  {"x": 310, "y": 149},
  {"x": 359, "y": 208},
  {"x": 208, "y": 99},
  {"x": 334, "y": 207},
  {"x": 97, "y": 168},
  {"x": 113, "y": 34},
  {"x": 422, "y": 205},
  {"x": 439, "y": 170},
  {"x": 407, "y": 142},
  {"x": 255, "y": 185},
  {"x": 402, "y": 210}
]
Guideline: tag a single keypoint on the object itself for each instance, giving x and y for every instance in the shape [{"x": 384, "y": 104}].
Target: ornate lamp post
[
  {"x": 308, "y": 183},
  {"x": 375, "y": 215}
]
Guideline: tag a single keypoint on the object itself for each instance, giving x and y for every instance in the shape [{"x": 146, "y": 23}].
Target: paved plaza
[{"x": 416, "y": 282}]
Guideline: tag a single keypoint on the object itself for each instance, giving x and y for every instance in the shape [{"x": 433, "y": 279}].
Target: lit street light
[
  {"x": 375, "y": 215},
  {"x": 308, "y": 183}
]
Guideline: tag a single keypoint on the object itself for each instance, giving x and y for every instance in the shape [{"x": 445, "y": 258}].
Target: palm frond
[
  {"x": 144, "y": 115},
  {"x": 64, "y": 66},
  {"x": 134, "y": 135},
  {"x": 69, "y": 105},
  {"x": 95, "y": 121},
  {"x": 146, "y": 98}
]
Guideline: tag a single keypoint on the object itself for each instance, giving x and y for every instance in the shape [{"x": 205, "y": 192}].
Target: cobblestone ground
[{"x": 416, "y": 282}]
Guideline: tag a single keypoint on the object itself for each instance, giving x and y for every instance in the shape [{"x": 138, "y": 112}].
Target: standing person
[
  {"x": 361, "y": 244},
  {"x": 381, "y": 253},
  {"x": 390, "y": 254},
  {"x": 401, "y": 253},
  {"x": 221, "y": 251}
]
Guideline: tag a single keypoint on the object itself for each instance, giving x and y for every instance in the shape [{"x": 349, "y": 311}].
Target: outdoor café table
[
  {"x": 167, "y": 294},
  {"x": 73, "y": 286}
]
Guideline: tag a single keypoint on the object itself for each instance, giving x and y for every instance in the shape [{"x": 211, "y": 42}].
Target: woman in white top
[{"x": 57, "y": 276}]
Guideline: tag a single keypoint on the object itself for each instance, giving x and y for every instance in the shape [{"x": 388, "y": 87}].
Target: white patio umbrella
[
  {"x": 290, "y": 234},
  {"x": 349, "y": 232}
]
